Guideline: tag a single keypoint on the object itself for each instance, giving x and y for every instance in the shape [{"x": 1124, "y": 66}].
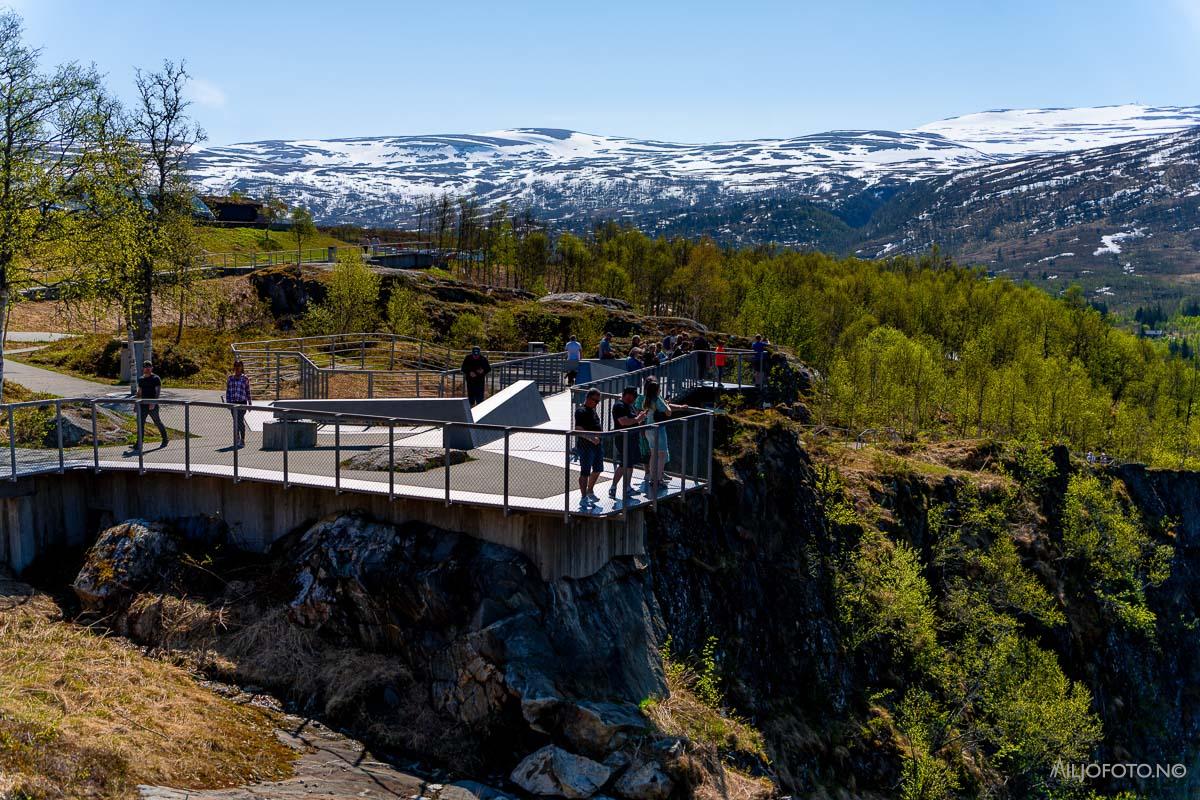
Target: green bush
[
  {"x": 467, "y": 330},
  {"x": 1116, "y": 553},
  {"x": 175, "y": 361}
]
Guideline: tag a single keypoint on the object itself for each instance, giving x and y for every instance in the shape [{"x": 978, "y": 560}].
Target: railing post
[
  {"x": 187, "y": 439},
  {"x": 507, "y": 431},
  {"x": 235, "y": 462},
  {"x": 392, "y": 354},
  {"x": 58, "y": 422},
  {"x": 370, "y": 384},
  {"x": 696, "y": 450},
  {"x": 708, "y": 447},
  {"x": 683, "y": 459},
  {"x": 567, "y": 477},
  {"x": 284, "y": 423},
  {"x": 95, "y": 441},
  {"x": 278, "y": 380},
  {"x": 391, "y": 461},
  {"x": 12, "y": 444},
  {"x": 337, "y": 456},
  {"x": 653, "y": 476},
  {"x": 446, "y": 448},
  {"x": 626, "y": 472}
]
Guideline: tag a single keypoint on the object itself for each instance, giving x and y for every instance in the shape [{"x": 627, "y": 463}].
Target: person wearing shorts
[
  {"x": 587, "y": 445},
  {"x": 623, "y": 417}
]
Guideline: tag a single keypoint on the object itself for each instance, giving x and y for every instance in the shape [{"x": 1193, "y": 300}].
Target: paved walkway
[
  {"x": 39, "y": 379},
  {"x": 36, "y": 336}
]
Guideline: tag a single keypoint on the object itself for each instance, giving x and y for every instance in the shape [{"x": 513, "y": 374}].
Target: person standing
[
  {"x": 574, "y": 356},
  {"x": 587, "y": 446},
  {"x": 760, "y": 359},
  {"x": 606, "y": 349},
  {"x": 633, "y": 362},
  {"x": 701, "y": 346},
  {"x": 149, "y": 387},
  {"x": 237, "y": 393},
  {"x": 475, "y": 368},
  {"x": 659, "y": 410},
  {"x": 624, "y": 417},
  {"x": 719, "y": 360}
]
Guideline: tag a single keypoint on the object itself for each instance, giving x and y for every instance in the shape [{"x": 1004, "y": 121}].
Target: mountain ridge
[{"x": 970, "y": 184}]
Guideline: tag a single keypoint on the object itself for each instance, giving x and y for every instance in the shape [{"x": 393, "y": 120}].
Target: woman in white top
[{"x": 655, "y": 437}]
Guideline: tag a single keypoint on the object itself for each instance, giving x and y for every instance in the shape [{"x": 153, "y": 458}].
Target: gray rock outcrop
[
  {"x": 554, "y": 772},
  {"x": 126, "y": 558},
  {"x": 406, "y": 459},
  {"x": 494, "y": 641}
]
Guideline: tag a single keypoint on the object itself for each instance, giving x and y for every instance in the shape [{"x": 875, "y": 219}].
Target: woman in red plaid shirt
[{"x": 237, "y": 391}]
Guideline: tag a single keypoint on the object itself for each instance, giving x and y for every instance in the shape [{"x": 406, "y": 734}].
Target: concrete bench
[{"x": 300, "y": 435}]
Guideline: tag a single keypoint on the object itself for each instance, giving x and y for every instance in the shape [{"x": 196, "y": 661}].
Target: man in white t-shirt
[{"x": 574, "y": 356}]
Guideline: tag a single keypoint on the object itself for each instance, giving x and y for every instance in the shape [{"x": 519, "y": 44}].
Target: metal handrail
[{"x": 694, "y": 472}]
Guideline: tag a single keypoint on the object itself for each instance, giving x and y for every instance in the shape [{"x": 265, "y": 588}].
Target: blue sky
[{"x": 684, "y": 71}]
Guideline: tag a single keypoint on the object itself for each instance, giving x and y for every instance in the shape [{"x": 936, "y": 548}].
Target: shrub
[
  {"x": 467, "y": 330},
  {"x": 175, "y": 361}
]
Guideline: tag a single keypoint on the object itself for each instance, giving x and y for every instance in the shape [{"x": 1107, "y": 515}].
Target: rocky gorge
[{"x": 901, "y": 620}]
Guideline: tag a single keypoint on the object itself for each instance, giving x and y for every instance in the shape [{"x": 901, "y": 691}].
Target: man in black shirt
[
  {"x": 475, "y": 368},
  {"x": 591, "y": 455},
  {"x": 624, "y": 416},
  {"x": 149, "y": 388}
]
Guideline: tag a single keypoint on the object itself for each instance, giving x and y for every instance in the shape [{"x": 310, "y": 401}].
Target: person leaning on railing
[{"x": 237, "y": 392}]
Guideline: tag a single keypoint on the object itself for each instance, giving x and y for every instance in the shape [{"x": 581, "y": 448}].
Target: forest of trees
[{"x": 919, "y": 344}]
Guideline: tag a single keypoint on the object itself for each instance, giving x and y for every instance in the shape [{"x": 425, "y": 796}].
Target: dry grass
[
  {"x": 683, "y": 713},
  {"x": 82, "y": 715}
]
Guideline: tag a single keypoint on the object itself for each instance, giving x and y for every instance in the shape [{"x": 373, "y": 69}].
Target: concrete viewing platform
[{"x": 504, "y": 471}]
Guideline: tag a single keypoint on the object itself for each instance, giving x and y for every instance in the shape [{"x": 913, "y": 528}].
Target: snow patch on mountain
[
  {"x": 568, "y": 174},
  {"x": 1112, "y": 242}
]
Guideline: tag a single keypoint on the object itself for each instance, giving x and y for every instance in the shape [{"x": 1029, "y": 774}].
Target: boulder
[
  {"x": 125, "y": 559},
  {"x": 77, "y": 427},
  {"x": 407, "y": 459},
  {"x": 554, "y": 772},
  {"x": 598, "y": 728},
  {"x": 587, "y": 297},
  {"x": 647, "y": 782}
]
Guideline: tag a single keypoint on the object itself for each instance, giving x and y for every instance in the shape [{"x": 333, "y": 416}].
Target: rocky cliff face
[{"x": 843, "y": 596}]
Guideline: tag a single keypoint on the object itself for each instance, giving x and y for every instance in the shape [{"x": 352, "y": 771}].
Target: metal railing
[
  {"x": 510, "y": 467},
  {"x": 304, "y": 255},
  {"x": 679, "y": 375},
  {"x": 379, "y": 364}
]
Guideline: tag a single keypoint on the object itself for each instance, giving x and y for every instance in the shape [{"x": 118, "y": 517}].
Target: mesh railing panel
[{"x": 515, "y": 468}]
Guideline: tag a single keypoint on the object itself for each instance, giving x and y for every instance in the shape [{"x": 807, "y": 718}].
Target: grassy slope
[
  {"x": 87, "y": 716},
  {"x": 84, "y": 357}
]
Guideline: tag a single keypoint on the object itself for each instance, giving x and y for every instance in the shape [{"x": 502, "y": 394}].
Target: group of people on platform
[
  {"x": 635, "y": 409},
  {"x": 650, "y": 445}
]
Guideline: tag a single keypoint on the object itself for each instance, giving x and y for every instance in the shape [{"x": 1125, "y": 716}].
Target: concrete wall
[
  {"x": 519, "y": 405},
  {"x": 44, "y": 512}
]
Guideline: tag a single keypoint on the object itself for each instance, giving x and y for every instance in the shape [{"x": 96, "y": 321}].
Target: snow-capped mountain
[
  {"x": 1105, "y": 216},
  {"x": 567, "y": 175}
]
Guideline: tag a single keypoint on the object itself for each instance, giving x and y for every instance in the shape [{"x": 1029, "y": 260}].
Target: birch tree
[{"x": 44, "y": 120}]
